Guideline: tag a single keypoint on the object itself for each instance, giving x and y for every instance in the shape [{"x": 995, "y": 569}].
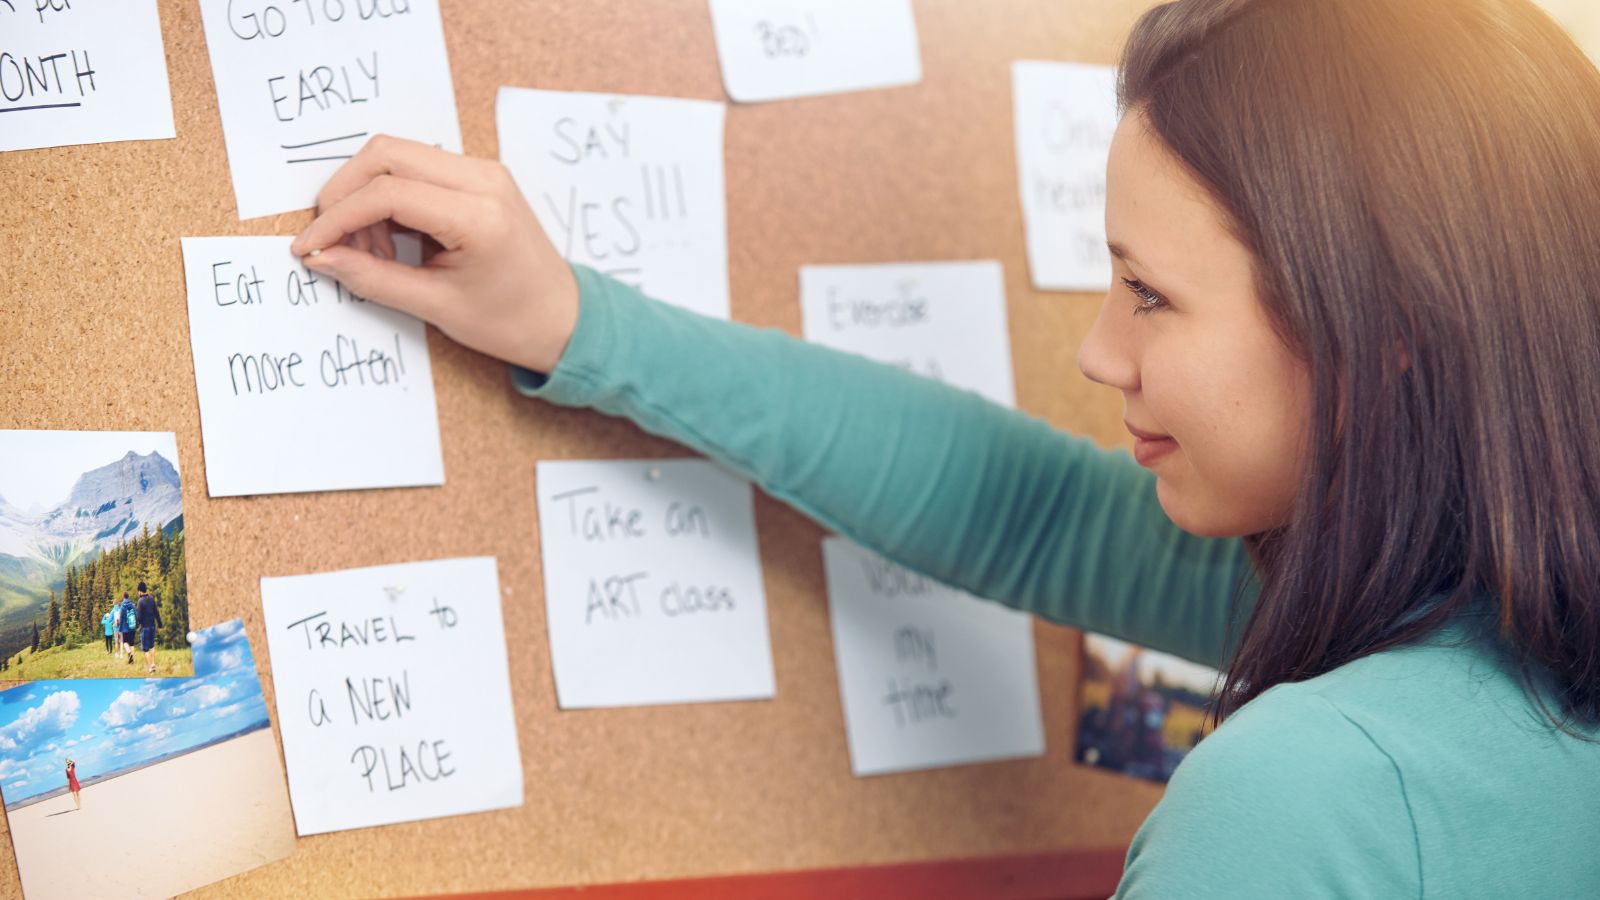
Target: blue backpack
[{"x": 130, "y": 621}]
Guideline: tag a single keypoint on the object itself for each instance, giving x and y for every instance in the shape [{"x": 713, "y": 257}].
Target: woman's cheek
[{"x": 1213, "y": 484}]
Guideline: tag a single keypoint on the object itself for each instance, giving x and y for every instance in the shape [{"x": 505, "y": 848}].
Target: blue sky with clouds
[{"x": 111, "y": 724}]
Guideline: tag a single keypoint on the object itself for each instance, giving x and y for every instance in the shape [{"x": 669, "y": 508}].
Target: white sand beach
[{"x": 161, "y": 830}]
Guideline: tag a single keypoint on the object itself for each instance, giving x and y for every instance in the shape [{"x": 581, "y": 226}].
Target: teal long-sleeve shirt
[{"x": 1422, "y": 771}]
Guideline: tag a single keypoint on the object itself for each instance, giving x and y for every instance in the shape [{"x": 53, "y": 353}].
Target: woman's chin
[{"x": 1198, "y": 518}]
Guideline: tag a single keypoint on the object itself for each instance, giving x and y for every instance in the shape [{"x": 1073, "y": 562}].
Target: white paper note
[
  {"x": 630, "y": 186},
  {"x": 303, "y": 385},
  {"x": 652, "y": 583},
  {"x": 1065, "y": 116},
  {"x": 81, "y": 72},
  {"x": 302, "y": 85},
  {"x": 393, "y": 694},
  {"x": 773, "y": 49},
  {"x": 945, "y": 320},
  {"x": 929, "y": 676}
]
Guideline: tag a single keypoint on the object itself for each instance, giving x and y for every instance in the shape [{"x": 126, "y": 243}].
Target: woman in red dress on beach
[{"x": 72, "y": 783}]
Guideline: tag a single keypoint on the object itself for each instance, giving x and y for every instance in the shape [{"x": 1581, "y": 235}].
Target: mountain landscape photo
[{"x": 116, "y": 518}]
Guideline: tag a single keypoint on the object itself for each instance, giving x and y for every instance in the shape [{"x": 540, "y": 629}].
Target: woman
[
  {"x": 72, "y": 784},
  {"x": 1357, "y": 250}
]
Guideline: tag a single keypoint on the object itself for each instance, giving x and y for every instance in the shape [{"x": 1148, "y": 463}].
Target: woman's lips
[
  {"x": 1148, "y": 447},
  {"x": 1147, "y": 452}
]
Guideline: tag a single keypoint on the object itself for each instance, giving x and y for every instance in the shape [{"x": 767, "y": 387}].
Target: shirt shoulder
[
  {"x": 1502, "y": 799},
  {"x": 1288, "y": 798}
]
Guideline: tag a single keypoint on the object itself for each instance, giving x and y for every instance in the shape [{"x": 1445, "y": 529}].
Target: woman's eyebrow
[{"x": 1121, "y": 252}]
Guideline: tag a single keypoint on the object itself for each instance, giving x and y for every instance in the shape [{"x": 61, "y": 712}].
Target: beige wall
[{"x": 1581, "y": 18}]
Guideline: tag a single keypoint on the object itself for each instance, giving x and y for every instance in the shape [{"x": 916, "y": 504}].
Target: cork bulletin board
[{"x": 95, "y": 336}]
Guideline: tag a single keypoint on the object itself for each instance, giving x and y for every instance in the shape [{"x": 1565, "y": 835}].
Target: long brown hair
[{"x": 1419, "y": 184}]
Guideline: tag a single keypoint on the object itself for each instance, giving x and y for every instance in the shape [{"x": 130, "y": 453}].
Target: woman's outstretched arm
[
  {"x": 981, "y": 497},
  {"x": 938, "y": 479}
]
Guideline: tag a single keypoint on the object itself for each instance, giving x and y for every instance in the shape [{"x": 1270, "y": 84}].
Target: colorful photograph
[
  {"x": 93, "y": 577},
  {"x": 117, "y": 788},
  {"x": 1142, "y": 711}
]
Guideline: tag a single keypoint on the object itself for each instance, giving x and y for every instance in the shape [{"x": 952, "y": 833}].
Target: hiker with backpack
[
  {"x": 149, "y": 618},
  {"x": 125, "y": 612}
]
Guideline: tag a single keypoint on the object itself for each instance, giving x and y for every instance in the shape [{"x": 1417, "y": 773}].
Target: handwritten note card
[
  {"x": 81, "y": 72},
  {"x": 302, "y": 84},
  {"x": 1065, "y": 116},
  {"x": 393, "y": 693},
  {"x": 773, "y": 49},
  {"x": 929, "y": 676},
  {"x": 944, "y": 320},
  {"x": 630, "y": 186},
  {"x": 652, "y": 583},
  {"x": 304, "y": 386}
]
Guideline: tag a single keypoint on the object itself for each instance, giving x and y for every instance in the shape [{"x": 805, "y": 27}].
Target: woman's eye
[{"x": 1149, "y": 301}]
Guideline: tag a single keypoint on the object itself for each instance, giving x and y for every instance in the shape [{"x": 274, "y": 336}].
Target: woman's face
[{"x": 1218, "y": 404}]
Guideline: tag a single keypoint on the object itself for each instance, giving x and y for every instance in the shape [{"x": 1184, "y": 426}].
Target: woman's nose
[{"x": 1107, "y": 353}]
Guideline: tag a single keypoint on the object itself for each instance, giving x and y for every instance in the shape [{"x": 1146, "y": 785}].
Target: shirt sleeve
[
  {"x": 1289, "y": 798},
  {"x": 940, "y": 480}
]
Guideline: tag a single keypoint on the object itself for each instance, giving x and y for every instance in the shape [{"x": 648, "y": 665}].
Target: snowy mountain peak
[
  {"x": 111, "y": 504},
  {"x": 122, "y": 482}
]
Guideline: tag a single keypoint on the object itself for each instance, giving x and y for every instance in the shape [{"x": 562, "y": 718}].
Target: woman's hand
[{"x": 498, "y": 285}]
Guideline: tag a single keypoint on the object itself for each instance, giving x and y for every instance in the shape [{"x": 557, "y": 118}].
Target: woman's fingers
[
  {"x": 410, "y": 289},
  {"x": 386, "y": 155},
  {"x": 383, "y": 240},
  {"x": 496, "y": 283},
  {"x": 436, "y": 211}
]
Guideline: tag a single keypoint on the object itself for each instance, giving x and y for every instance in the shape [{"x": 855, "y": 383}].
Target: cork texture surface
[{"x": 95, "y": 336}]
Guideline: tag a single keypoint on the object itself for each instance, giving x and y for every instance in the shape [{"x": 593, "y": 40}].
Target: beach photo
[
  {"x": 93, "y": 571},
  {"x": 1140, "y": 712},
  {"x": 117, "y": 788}
]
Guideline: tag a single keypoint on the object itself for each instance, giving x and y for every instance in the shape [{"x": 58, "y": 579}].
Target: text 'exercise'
[{"x": 944, "y": 320}]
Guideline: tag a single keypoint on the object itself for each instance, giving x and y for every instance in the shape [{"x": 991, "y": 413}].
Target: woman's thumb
[{"x": 410, "y": 289}]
